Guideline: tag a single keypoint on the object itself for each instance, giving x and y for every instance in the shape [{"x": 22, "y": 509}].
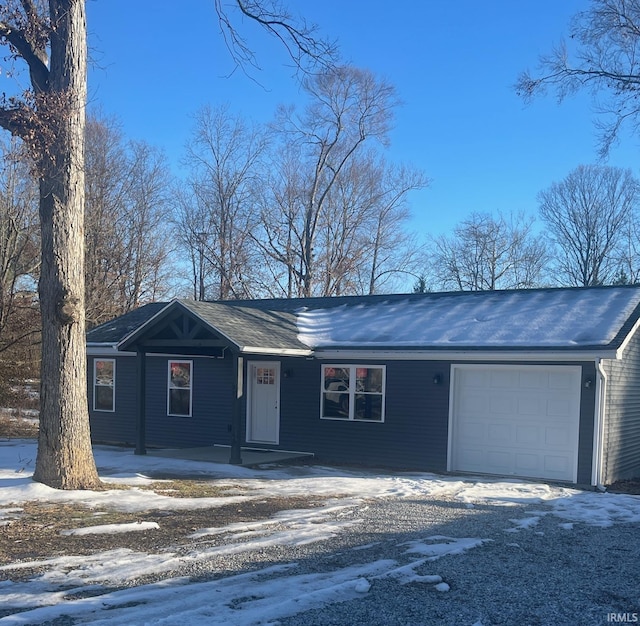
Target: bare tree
[
  {"x": 19, "y": 245},
  {"x": 587, "y": 214},
  {"x": 601, "y": 56},
  {"x": 145, "y": 240},
  {"x": 363, "y": 245},
  {"x": 19, "y": 266},
  {"x": 393, "y": 254},
  {"x": 49, "y": 38},
  {"x": 217, "y": 217},
  {"x": 307, "y": 49},
  {"x": 487, "y": 253},
  {"x": 105, "y": 185},
  {"x": 127, "y": 216},
  {"x": 628, "y": 271},
  {"x": 348, "y": 107}
]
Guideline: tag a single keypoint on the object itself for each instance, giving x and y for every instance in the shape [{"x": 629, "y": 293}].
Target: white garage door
[{"x": 518, "y": 421}]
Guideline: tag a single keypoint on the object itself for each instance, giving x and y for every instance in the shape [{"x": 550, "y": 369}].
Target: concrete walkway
[{"x": 220, "y": 454}]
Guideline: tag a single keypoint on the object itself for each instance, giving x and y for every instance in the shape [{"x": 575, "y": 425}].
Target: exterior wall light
[{"x": 437, "y": 379}]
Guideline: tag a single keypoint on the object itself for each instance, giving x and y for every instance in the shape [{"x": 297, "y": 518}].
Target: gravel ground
[
  {"x": 542, "y": 575},
  {"x": 539, "y": 574}
]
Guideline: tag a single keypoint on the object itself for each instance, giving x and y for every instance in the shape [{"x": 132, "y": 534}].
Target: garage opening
[{"x": 515, "y": 420}]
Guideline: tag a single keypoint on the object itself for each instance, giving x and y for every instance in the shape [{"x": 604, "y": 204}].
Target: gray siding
[
  {"x": 586, "y": 431},
  {"x": 117, "y": 426},
  {"x": 211, "y": 404},
  {"x": 621, "y": 434},
  {"x": 414, "y": 434}
]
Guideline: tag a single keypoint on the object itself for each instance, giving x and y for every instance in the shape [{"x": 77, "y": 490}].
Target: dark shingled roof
[
  {"x": 255, "y": 326},
  {"x": 117, "y": 329},
  {"x": 537, "y": 319}
]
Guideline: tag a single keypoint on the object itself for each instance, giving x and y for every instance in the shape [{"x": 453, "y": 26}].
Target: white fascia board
[
  {"x": 276, "y": 351},
  {"x": 627, "y": 339},
  {"x": 464, "y": 355},
  {"x": 145, "y": 324},
  {"x": 106, "y": 349}
]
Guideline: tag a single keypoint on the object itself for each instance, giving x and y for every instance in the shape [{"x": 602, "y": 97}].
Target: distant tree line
[
  {"x": 305, "y": 206},
  {"x": 295, "y": 209},
  {"x": 587, "y": 234}
]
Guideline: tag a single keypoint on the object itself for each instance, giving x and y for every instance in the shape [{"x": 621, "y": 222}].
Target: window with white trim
[
  {"x": 180, "y": 388},
  {"x": 353, "y": 392},
  {"x": 104, "y": 385}
]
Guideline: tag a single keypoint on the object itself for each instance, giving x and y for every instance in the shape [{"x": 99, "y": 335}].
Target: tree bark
[{"x": 65, "y": 457}]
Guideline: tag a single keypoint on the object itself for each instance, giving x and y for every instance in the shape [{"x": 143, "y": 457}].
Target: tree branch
[
  {"x": 301, "y": 42},
  {"x": 35, "y": 56}
]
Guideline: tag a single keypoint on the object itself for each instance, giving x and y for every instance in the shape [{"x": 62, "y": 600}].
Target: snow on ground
[{"x": 77, "y": 585}]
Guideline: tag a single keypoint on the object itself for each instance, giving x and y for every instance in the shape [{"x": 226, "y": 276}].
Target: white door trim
[{"x": 252, "y": 367}]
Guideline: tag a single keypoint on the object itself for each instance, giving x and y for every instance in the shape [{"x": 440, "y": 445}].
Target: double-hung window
[
  {"x": 104, "y": 384},
  {"x": 353, "y": 392},
  {"x": 180, "y": 388}
]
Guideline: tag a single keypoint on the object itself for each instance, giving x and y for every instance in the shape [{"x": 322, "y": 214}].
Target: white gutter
[
  {"x": 627, "y": 339},
  {"x": 106, "y": 349},
  {"x": 276, "y": 351},
  {"x": 465, "y": 355},
  {"x": 598, "y": 426}
]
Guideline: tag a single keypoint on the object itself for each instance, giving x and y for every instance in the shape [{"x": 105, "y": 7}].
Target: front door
[{"x": 263, "y": 415}]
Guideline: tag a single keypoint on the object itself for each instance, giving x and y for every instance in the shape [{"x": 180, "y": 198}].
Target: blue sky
[{"x": 452, "y": 63}]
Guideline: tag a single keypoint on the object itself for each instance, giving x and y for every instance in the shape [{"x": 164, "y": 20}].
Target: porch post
[
  {"x": 236, "y": 415},
  {"x": 141, "y": 401}
]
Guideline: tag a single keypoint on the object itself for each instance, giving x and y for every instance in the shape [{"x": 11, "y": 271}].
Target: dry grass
[
  {"x": 192, "y": 489},
  {"x": 17, "y": 427},
  {"x": 631, "y": 486},
  {"x": 35, "y": 531}
]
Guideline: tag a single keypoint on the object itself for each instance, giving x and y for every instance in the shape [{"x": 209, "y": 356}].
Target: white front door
[
  {"x": 516, "y": 420},
  {"x": 263, "y": 409}
]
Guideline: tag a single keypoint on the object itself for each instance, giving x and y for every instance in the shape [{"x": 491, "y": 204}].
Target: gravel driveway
[
  {"x": 361, "y": 548},
  {"x": 532, "y": 568}
]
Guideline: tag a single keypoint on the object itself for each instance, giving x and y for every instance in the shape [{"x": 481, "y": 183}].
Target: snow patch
[{"x": 111, "y": 529}]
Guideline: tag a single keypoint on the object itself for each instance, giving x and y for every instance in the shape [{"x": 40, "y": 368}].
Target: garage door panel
[
  {"x": 476, "y": 378},
  {"x": 559, "y": 407},
  {"x": 502, "y": 405},
  {"x": 562, "y": 380},
  {"x": 532, "y": 380},
  {"x": 527, "y": 464},
  {"x": 556, "y": 466},
  {"x": 558, "y": 437},
  {"x": 529, "y": 405},
  {"x": 527, "y": 435},
  {"x": 504, "y": 378},
  {"x": 500, "y": 433},
  {"x": 473, "y": 431},
  {"x": 523, "y": 422},
  {"x": 499, "y": 461}
]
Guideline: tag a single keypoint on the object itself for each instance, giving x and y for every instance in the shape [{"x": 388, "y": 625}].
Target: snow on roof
[{"x": 560, "y": 318}]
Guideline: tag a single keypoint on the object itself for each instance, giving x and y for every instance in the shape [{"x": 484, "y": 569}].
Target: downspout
[
  {"x": 235, "y": 457},
  {"x": 141, "y": 385},
  {"x": 598, "y": 431}
]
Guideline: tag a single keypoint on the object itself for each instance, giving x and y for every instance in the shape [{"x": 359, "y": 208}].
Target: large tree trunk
[{"x": 65, "y": 458}]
